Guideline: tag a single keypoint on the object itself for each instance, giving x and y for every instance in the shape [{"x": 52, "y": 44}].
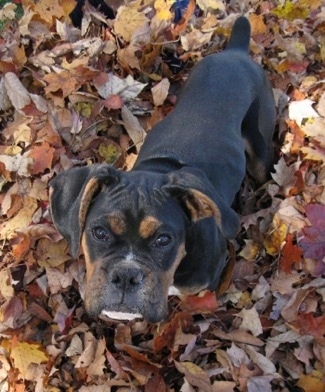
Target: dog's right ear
[{"x": 71, "y": 193}]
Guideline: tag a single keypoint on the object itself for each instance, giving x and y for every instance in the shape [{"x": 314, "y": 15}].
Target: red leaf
[
  {"x": 310, "y": 325},
  {"x": 291, "y": 254},
  {"x": 201, "y": 304}
]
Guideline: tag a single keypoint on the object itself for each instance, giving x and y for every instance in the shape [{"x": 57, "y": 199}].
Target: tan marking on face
[
  {"x": 91, "y": 188},
  {"x": 148, "y": 226},
  {"x": 117, "y": 224},
  {"x": 167, "y": 278},
  {"x": 89, "y": 266}
]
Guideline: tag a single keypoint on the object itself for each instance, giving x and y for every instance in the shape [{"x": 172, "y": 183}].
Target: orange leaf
[
  {"x": 291, "y": 254},
  {"x": 42, "y": 156},
  {"x": 313, "y": 382}
]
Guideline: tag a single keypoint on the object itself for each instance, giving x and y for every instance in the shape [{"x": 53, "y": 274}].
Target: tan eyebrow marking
[
  {"x": 148, "y": 226},
  {"x": 117, "y": 224}
]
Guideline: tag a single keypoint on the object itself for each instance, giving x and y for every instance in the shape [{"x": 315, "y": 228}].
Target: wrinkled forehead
[{"x": 137, "y": 204}]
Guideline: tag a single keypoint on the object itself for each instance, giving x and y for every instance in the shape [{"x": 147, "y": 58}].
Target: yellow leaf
[
  {"x": 257, "y": 24},
  {"x": 163, "y": 9},
  {"x": 312, "y": 382},
  {"x": 127, "y": 21},
  {"x": 109, "y": 153},
  {"x": 274, "y": 241},
  {"x": 24, "y": 354},
  {"x": 296, "y": 10}
]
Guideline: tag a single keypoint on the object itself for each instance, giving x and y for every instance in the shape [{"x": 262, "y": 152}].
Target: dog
[{"x": 166, "y": 222}]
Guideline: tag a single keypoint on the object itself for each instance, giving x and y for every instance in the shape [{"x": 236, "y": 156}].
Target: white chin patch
[
  {"x": 121, "y": 315},
  {"x": 173, "y": 291}
]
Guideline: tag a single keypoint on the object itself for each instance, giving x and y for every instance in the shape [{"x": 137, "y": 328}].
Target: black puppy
[{"x": 166, "y": 222}]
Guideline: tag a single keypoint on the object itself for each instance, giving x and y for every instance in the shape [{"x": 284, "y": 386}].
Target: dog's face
[
  {"x": 132, "y": 248},
  {"x": 132, "y": 230}
]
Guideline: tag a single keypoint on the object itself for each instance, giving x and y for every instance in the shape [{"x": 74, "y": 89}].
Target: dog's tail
[{"x": 240, "y": 35}]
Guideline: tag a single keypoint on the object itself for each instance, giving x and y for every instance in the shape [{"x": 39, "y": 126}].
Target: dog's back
[{"x": 205, "y": 128}]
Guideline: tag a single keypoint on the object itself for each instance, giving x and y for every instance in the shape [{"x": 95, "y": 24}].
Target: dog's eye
[
  {"x": 101, "y": 234},
  {"x": 163, "y": 240}
]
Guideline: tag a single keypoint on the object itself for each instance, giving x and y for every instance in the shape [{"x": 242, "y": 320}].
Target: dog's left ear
[
  {"x": 201, "y": 199},
  {"x": 71, "y": 194}
]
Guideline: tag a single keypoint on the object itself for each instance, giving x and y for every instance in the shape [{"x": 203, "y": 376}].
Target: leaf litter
[{"x": 73, "y": 96}]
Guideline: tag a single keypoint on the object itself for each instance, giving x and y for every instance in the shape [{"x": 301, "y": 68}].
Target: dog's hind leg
[{"x": 258, "y": 128}]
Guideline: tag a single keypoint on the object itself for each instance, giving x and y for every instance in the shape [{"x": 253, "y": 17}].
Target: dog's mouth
[{"x": 123, "y": 316}]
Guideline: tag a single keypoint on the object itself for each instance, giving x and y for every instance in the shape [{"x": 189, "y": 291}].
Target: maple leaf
[
  {"x": 24, "y": 354},
  {"x": 42, "y": 156},
  {"x": 290, "y": 254},
  {"x": 162, "y": 8},
  {"x": 313, "y": 241}
]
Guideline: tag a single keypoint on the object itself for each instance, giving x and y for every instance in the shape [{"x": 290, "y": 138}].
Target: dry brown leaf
[
  {"x": 128, "y": 21},
  {"x": 160, "y": 92},
  {"x": 250, "y": 321},
  {"x": 17, "y": 93},
  {"x": 21, "y": 220}
]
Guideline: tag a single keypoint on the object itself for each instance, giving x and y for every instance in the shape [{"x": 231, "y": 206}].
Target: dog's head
[{"x": 131, "y": 227}]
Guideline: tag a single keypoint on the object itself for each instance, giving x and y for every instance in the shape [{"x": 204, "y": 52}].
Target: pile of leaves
[{"x": 74, "y": 96}]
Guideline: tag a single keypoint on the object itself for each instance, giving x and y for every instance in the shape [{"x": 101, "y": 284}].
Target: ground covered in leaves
[{"x": 71, "y": 96}]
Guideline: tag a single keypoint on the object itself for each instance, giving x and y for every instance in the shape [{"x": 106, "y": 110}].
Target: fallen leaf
[
  {"x": 195, "y": 375},
  {"x": 207, "y": 5},
  {"x": 163, "y": 8},
  {"x": 133, "y": 127},
  {"x": 312, "y": 382},
  {"x": 22, "y": 219},
  {"x": 160, "y": 92},
  {"x": 250, "y": 321},
  {"x": 290, "y": 255},
  {"x": 202, "y": 303},
  {"x": 127, "y": 21},
  {"x": 275, "y": 239},
  {"x": 24, "y": 354},
  {"x": 313, "y": 240},
  {"x": 17, "y": 93},
  {"x": 42, "y": 156}
]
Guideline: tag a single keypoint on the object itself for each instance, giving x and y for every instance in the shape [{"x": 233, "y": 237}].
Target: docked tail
[{"x": 240, "y": 35}]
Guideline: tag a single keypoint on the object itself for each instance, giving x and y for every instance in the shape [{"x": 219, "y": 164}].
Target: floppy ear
[
  {"x": 201, "y": 199},
  {"x": 71, "y": 193}
]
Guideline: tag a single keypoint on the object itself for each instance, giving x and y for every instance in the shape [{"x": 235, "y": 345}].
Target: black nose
[{"x": 128, "y": 279}]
